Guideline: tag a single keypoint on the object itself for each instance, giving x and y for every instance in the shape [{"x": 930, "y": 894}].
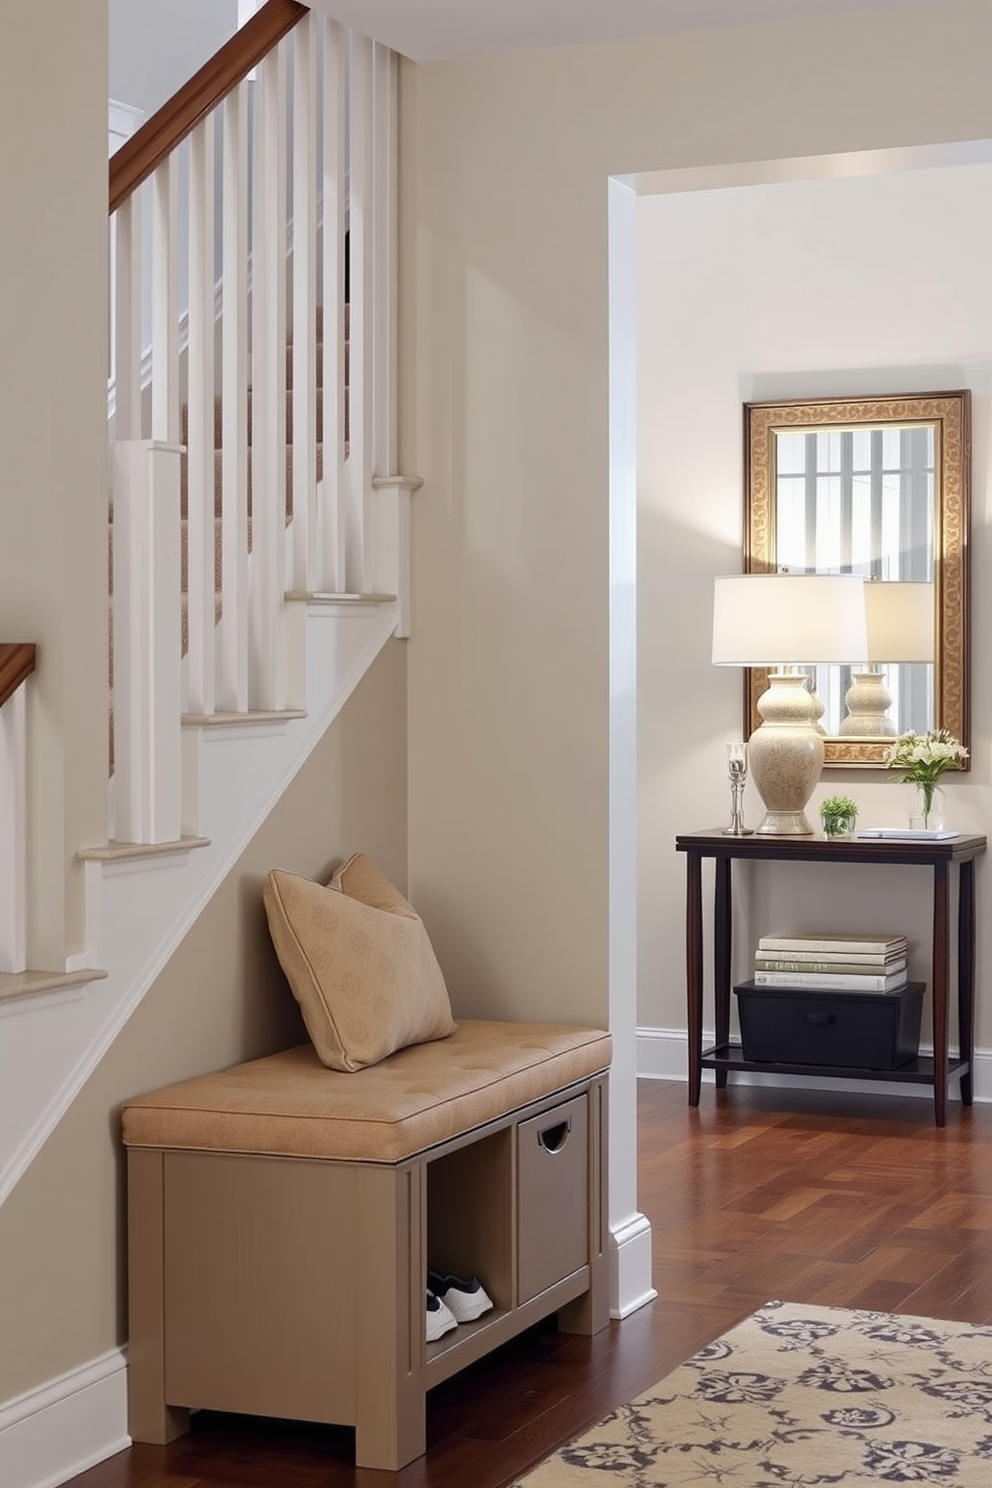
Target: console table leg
[
  {"x": 966, "y": 976},
  {"x": 694, "y": 971},
  {"x": 721, "y": 959},
  {"x": 940, "y": 960}
]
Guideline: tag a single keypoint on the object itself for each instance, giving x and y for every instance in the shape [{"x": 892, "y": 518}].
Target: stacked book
[{"x": 832, "y": 962}]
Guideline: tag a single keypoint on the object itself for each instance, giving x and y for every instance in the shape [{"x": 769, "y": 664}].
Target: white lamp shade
[
  {"x": 900, "y": 621},
  {"x": 768, "y": 620}
]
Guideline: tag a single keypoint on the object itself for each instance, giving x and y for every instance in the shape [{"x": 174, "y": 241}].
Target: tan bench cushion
[{"x": 290, "y": 1105}]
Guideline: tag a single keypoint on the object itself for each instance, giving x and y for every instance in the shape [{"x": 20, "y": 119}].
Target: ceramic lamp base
[{"x": 785, "y": 755}]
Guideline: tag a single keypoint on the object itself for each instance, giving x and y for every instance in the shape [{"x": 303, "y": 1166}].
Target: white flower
[{"x": 925, "y": 757}]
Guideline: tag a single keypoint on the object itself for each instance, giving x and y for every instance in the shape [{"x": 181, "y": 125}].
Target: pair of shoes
[
  {"x": 464, "y": 1300},
  {"x": 440, "y": 1318}
]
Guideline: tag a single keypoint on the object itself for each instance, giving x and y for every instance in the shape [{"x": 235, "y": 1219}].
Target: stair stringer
[{"x": 139, "y": 909}]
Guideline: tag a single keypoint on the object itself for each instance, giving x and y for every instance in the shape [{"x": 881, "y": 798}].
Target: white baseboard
[
  {"x": 61, "y": 1428},
  {"x": 630, "y": 1271},
  {"x": 662, "y": 1054}
]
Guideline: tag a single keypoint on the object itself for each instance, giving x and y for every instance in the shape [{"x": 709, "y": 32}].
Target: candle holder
[{"x": 737, "y": 771}]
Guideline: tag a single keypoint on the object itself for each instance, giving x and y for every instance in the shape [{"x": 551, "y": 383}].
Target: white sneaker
[
  {"x": 465, "y": 1300},
  {"x": 440, "y": 1318}
]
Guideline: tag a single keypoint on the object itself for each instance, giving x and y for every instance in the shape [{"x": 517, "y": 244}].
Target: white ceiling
[{"x": 438, "y": 30}]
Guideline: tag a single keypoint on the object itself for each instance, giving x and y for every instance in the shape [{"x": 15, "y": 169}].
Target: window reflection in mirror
[
  {"x": 877, "y": 487},
  {"x": 861, "y": 500}
]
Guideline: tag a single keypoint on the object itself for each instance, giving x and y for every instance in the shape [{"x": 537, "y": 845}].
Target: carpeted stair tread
[
  {"x": 219, "y": 481},
  {"x": 218, "y": 417}
]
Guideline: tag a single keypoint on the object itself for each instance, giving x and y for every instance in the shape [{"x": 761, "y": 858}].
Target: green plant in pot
[{"x": 838, "y": 815}]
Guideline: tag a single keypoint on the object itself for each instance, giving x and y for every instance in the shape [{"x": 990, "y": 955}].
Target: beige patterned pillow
[{"x": 360, "y": 964}]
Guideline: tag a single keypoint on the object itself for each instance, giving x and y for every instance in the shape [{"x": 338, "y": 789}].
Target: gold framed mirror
[{"x": 879, "y": 487}]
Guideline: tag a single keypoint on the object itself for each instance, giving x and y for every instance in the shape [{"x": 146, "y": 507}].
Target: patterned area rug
[{"x": 796, "y": 1397}]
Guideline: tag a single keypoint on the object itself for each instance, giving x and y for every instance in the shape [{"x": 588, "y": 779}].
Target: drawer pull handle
[
  {"x": 819, "y": 1018},
  {"x": 553, "y": 1138}
]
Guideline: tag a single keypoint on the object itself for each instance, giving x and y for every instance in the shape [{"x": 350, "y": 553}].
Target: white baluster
[
  {"x": 165, "y": 303},
  {"x": 232, "y": 681},
  {"x": 267, "y": 678},
  {"x": 360, "y": 214},
  {"x": 126, "y": 299},
  {"x": 200, "y": 425},
  {"x": 303, "y": 532},
  {"x": 383, "y": 286},
  {"x": 334, "y": 195}
]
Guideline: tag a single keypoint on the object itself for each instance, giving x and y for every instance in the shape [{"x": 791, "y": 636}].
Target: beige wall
[
  {"x": 220, "y": 999},
  {"x": 53, "y": 400},
  {"x": 505, "y": 225}
]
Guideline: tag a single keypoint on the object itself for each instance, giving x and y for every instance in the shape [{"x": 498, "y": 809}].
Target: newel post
[
  {"x": 13, "y": 833},
  {"x": 147, "y": 641},
  {"x": 390, "y": 540}
]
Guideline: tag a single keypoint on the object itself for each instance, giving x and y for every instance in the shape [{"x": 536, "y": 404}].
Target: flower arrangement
[{"x": 922, "y": 759}]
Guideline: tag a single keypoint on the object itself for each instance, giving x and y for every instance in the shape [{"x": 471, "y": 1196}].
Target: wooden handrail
[
  {"x": 17, "y": 661},
  {"x": 155, "y": 140}
]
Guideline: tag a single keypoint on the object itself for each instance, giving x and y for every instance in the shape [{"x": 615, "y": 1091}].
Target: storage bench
[{"x": 282, "y": 1218}]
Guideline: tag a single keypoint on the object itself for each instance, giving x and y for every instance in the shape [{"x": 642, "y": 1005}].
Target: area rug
[{"x": 796, "y": 1397}]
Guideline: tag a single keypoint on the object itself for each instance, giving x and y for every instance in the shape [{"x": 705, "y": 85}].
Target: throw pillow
[{"x": 359, "y": 962}]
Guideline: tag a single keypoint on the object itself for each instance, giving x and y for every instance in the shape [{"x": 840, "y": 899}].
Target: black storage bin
[{"x": 857, "y": 1030}]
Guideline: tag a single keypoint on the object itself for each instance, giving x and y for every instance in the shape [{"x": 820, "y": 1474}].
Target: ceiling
[{"x": 439, "y": 30}]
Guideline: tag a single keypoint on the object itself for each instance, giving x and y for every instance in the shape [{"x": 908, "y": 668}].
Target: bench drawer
[{"x": 552, "y": 1196}]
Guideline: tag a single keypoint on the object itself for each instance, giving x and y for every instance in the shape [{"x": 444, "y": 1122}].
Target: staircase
[{"x": 259, "y": 532}]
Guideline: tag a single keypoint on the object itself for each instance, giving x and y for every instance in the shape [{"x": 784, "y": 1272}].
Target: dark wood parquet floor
[{"x": 848, "y": 1200}]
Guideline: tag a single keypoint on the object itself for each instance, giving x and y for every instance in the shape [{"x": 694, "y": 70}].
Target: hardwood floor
[{"x": 851, "y": 1200}]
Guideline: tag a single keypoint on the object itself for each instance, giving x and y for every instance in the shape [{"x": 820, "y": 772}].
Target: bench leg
[
  {"x": 150, "y": 1419},
  {"x": 590, "y": 1313},
  {"x": 390, "y": 1398}
]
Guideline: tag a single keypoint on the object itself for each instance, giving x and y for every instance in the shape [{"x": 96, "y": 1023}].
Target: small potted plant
[{"x": 838, "y": 815}]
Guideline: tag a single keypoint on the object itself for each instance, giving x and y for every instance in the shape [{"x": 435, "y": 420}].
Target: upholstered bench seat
[
  {"x": 290, "y": 1105},
  {"x": 282, "y": 1217}
]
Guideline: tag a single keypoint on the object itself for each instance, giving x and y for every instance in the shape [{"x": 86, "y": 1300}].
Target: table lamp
[
  {"x": 785, "y": 622},
  {"x": 900, "y": 629}
]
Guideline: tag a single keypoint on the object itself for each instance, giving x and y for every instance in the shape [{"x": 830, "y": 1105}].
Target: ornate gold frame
[{"x": 950, "y": 412}]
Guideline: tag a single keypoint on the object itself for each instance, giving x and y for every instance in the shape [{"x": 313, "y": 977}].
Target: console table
[{"x": 939, "y": 855}]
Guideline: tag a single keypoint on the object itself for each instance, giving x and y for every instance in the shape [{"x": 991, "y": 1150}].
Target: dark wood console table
[{"x": 723, "y": 1056}]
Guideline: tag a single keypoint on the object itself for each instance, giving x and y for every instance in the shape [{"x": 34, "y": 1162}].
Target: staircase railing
[
  {"x": 17, "y": 662},
  {"x": 248, "y": 456}
]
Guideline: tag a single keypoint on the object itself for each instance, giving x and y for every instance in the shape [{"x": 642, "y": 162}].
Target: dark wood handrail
[
  {"x": 17, "y": 661},
  {"x": 155, "y": 140}
]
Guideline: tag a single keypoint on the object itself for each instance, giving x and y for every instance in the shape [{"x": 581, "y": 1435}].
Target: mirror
[{"x": 879, "y": 487}]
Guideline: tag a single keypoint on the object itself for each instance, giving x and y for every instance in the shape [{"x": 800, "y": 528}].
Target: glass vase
[{"x": 926, "y": 809}]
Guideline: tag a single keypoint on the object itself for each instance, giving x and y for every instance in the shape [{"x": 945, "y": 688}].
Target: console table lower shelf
[{"x": 729, "y": 1058}]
